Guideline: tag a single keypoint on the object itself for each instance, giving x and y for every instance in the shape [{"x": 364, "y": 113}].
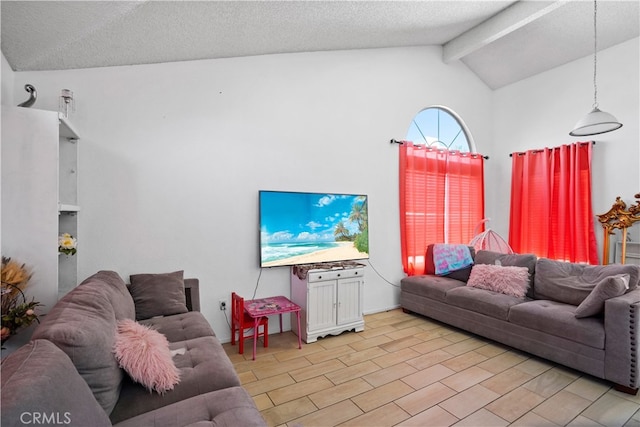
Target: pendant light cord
[
  {"x": 595, "y": 53},
  {"x": 595, "y": 122}
]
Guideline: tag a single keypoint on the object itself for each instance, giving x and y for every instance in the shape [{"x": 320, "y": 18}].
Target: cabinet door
[
  {"x": 349, "y": 300},
  {"x": 321, "y": 305}
]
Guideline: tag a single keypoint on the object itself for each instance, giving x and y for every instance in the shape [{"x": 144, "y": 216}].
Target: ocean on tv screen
[{"x": 279, "y": 251}]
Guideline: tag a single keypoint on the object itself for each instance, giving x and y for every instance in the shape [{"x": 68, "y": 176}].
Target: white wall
[
  {"x": 540, "y": 111},
  {"x": 6, "y": 95},
  {"x": 172, "y": 156},
  {"x": 7, "y": 74},
  {"x": 6, "y": 98}
]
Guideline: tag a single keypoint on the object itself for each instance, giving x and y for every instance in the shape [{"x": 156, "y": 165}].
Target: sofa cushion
[
  {"x": 181, "y": 327},
  {"x": 158, "y": 294},
  {"x": 516, "y": 260},
  {"x": 571, "y": 283},
  {"x": 204, "y": 366},
  {"x": 144, "y": 353},
  {"x": 559, "y": 319},
  {"x": 39, "y": 380},
  {"x": 610, "y": 287},
  {"x": 228, "y": 407},
  {"x": 478, "y": 300},
  {"x": 83, "y": 325},
  {"x": 117, "y": 292},
  {"x": 434, "y": 287},
  {"x": 508, "y": 279},
  {"x": 462, "y": 274}
]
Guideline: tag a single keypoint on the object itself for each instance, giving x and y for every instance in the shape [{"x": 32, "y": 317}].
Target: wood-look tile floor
[{"x": 408, "y": 370}]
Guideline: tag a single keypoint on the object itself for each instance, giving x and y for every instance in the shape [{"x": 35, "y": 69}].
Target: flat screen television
[{"x": 308, "y": 228}]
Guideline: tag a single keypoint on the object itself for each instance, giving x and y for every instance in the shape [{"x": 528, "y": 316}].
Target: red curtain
[
  {"x": 441, "y": 200},
  {"x": 551, "y": 214}
]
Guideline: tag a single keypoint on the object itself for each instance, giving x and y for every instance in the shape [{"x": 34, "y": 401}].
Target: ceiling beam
[{"x": 509, "y": 20}]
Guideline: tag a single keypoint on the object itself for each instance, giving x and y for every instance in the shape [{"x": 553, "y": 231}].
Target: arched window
[
  {"x": 440, "y": 127},
  {"x": 441, "y": 185}
]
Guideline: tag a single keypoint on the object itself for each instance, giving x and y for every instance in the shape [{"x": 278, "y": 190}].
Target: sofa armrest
[
  {"x": 192, "y": 294},
  {"x": 622, "y": 325}
]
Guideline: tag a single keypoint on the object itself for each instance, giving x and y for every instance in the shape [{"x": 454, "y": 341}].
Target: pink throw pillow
[
  {"x": 508, "y": 280},
  {"x": 144, "y": 353}
]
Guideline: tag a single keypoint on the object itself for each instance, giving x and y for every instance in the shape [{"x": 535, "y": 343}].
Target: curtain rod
[
  {"x": 395, "y": 141},
  {"x": 522, "y": 153}
]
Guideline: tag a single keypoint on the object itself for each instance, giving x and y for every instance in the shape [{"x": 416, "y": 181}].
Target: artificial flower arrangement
[
  {"x": 17, "y": 313},
  {"x": 67, "y": 244}
]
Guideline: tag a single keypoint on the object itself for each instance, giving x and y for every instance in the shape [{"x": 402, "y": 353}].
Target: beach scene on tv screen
[{"x": 307, "y": 228}]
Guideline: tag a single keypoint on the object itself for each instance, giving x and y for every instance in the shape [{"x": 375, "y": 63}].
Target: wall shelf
[
  {"x": 66, "y": 129},
  {"x": 65, "y": 208}
]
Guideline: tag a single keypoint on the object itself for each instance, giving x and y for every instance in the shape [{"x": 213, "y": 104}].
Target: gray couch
[
  {"x": 543, "y": 322},
  {"x": 68, "y": 374}
]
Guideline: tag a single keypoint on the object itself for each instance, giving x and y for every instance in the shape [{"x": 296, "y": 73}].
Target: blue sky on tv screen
[{"x": 304, "y": 217}]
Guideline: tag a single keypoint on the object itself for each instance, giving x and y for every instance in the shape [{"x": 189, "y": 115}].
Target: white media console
[{"x": 330, "y": 296}]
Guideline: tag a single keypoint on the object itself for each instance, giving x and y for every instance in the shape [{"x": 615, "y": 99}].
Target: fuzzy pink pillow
[
  {"x": 509, "y": 280},
  {"x": 144, "y": 353}
]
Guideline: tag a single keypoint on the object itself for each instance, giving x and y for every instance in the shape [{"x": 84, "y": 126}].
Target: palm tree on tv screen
[
  {"x": 359, "y": 213},
  {"x": 342, "y": 233}
]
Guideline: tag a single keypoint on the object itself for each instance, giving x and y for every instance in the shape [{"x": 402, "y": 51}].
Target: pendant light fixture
[{"x": 596, "y": 122}]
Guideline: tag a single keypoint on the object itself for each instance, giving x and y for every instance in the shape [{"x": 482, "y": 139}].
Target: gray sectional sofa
[
  {"x": 543, "y": 322},
  {"x": 68, "y": 374}
]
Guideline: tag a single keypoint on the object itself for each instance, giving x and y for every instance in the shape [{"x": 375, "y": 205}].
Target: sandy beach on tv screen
[{"x": 344, "y": 251}]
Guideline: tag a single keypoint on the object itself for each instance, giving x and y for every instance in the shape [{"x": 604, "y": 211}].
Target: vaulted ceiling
[{"x": 501, "y": 41}]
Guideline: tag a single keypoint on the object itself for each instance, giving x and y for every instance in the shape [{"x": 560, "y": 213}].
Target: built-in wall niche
[
  {"x": 68, "y": 207},
  {"x": 67, "y": 264},
  {"x": 68, "y": 167}
]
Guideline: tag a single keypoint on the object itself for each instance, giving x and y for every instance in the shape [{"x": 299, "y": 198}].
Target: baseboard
[{"x": 381, "y": 310}]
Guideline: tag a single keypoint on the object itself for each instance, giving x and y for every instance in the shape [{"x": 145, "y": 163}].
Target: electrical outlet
[{"x": 223, "y": 305}]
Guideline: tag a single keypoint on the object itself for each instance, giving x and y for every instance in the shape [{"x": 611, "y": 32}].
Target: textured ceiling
[
  {"x": 501, "y": 41},
  {"x": 559, "y": 37}
]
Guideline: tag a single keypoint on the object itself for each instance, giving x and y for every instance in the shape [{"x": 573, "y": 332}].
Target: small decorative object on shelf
[
  {"x": 33, "y": 94},
  {"x": 67, "y": 104},
  {"x": 17, "y": 313},
  {"x": 67, "y": 244}
]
